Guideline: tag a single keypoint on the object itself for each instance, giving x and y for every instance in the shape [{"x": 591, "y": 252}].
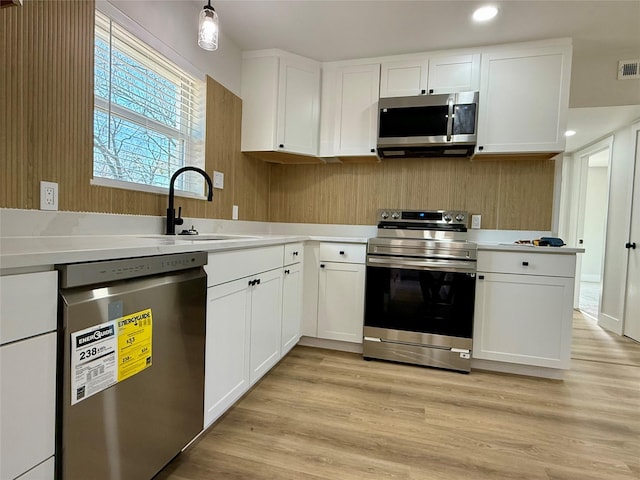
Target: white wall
[
  {"x": 175, "y": 23},
  {"x": 594, "y": 224}
]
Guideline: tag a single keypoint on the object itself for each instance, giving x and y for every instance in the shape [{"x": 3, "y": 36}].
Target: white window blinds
[{"x": 148, "y": 114}]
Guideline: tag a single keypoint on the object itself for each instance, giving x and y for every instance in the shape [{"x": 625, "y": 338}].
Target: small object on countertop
[
  {"x": 553, "y": 241},
  {"x": 191, "y": 231},
  {"x": 523, "y": 242},
  {"x": 538, "y": 242}
]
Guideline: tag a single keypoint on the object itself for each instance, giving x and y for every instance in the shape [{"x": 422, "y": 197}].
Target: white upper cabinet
[
  {"x": 432, "y": 75},
  {"x": 350, "y": 110},
  {"x": 280, "y": 103},
  {"x": 524, "y": 98},
  {"x": 454, "y": 73},
  {"x": 404, "y": 78}
]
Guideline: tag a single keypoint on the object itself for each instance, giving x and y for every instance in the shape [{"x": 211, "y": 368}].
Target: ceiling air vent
[{"x": 628, "y": 69}]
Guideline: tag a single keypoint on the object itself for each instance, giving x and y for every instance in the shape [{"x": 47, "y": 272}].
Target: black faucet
[{"x": 172, "y": 220}]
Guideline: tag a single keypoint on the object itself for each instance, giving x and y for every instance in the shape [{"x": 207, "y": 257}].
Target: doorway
[
  {"x": 591, "y": 228},
  {"x": 594, "y": 228}
]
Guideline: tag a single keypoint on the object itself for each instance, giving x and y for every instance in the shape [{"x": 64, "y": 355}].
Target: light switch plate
[
  {"x": 48, "y": 196},
  {"x": 234, "y": 213},
  {"x": 476, "y": 221},
  {"x": 218, "y": 180}
]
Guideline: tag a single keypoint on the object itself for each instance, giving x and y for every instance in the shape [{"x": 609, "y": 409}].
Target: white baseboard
[{"x": 331, "y": 344}]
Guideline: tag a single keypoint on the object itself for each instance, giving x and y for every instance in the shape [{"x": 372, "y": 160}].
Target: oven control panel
[{"x": 434, "y": 217}]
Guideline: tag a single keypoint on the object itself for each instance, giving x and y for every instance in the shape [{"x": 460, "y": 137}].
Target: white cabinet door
[
  {"x": 227, "y": 347},
  {"x": 341, "y": 301},
  {"x": 454, "y": 73},
  {"x": 356, "y": 122},
  {"x": 524, "y": 319},
  {"x": 27, "y": 404},
  {"x": 280, "y": 103},
  {"x": 298, "y": 107},
  {"x": 404, "y": 78},
  {"x": 17, "y": 294},
  {"x": 291, "y": 307},
  {"x": 266, "y": 322},
  {"x": 524, "y": 98},
  {"x": 434, "y": 75}
]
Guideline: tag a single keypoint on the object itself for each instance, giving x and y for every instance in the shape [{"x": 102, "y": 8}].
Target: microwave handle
[{"x": 450, "y": 119}]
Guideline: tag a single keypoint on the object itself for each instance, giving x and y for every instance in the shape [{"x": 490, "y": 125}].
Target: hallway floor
[{"x": 589, "y": 299}]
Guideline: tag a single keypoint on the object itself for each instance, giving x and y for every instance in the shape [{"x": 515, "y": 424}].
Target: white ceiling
[
  {"x": 328, "y": 30},
  {"x": 593, "y": 124}
]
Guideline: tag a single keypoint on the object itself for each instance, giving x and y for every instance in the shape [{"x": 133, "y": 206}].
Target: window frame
[{"x": 143, "y": 35}]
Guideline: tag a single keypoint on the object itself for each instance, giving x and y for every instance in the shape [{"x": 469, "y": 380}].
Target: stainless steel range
[{"x": 420, "y": 289}]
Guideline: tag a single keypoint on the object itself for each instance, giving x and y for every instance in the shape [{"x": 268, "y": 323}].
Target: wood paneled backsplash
[
  {"x": 509, "y": 194},
  {"x": 46, "y": 129},
  {"x": 46, "y": 133}
]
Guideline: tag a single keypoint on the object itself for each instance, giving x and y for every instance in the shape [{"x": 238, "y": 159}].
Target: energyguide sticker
[{"x": 110, "y": 352}]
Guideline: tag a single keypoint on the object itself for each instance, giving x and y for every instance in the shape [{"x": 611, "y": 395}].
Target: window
[{"x": 147, "y": 119}]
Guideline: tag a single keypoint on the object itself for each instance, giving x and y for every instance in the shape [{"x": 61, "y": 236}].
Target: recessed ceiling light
[
  {"x": 569, "y": 133},
  {"x": 485, "y": 13}
]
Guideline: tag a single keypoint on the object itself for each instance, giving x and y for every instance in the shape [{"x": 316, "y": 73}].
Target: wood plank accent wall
[
  {"x": 46, "y": 123},
  {"x": 509, "y": 194}
]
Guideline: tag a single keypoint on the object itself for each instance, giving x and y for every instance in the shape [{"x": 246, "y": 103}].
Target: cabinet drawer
[
  {"x": 227, "y": 266},
  {"x": 28, "y": 305},
  {"x": 528, "y": 263},
  {"x": 343, "y": 252},
  {"x": 27, "y": 404},
  {"x": 293, "y": 253}
]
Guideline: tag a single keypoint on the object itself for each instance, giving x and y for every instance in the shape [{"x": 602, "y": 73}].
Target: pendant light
[{"x": 208, "y": 28}]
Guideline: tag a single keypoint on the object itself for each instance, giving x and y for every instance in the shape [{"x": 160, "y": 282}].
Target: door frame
[{"x": 575, "y": 172}]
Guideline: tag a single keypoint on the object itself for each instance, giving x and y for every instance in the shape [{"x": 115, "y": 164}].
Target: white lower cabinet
[
  {"x": 341, "y": 301},
  {"x": 227, "y": 347},
  {"x": 27, "y": 404},
  {"x": 266, "y": 318},
  {"x": 244, "y": 323},
  {"x": 291, "y": 306},
  {"x": 523, "y": 309},
  {"x": 28, "y": 310}
]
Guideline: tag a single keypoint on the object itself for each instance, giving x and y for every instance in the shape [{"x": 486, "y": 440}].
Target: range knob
[
  {"x": 384, "y": 215},
  {"x": 459, "y": 217},
  {"x": 395, "y": 215},
  {"x": 447, "y": 218}
]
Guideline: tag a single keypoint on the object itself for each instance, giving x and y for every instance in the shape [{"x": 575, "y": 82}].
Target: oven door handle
[{"x": 422, "y": 264}]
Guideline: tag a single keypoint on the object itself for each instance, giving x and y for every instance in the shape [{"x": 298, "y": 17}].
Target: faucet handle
[{"x": 179, "y": 220}]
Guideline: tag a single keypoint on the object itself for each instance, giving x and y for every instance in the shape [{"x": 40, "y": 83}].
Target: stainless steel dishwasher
[{"x": 132, "y": 337}]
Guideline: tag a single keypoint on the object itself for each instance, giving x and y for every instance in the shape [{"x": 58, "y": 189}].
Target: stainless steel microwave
[{"x": 428, "y": 125}]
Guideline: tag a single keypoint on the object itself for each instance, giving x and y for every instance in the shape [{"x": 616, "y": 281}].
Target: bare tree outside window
[{"x": 142, "y": 113}]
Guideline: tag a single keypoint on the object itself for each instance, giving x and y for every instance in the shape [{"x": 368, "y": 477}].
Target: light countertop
[
  {"x": 514, "y": 247},
  {"x": 21, "y": 252},
  {"x": 39, "y": 251}
]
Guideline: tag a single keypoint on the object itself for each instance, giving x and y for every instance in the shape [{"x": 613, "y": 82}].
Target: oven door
[{"x": 420, "y": 296}]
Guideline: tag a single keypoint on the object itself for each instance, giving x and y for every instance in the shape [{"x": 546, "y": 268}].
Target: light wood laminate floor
[{"x": 322, "y": 414}]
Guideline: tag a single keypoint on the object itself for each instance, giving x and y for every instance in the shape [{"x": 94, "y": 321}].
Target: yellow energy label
[{"x": 135, "y": 332}]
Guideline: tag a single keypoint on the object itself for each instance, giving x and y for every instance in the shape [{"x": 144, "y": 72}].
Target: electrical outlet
[
  {"x": 218, "y": 180},
  {"x": 234, "y": 214},
  {"x": 476, "y": 221},
  {"x": 48, "y": 196}
]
